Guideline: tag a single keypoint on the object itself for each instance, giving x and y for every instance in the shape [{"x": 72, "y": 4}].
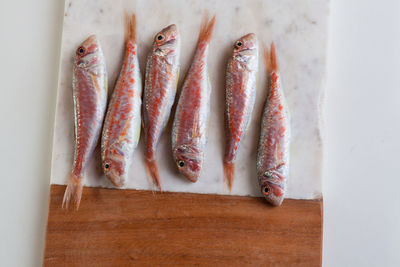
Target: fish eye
[
  {"x": 107, "y": 166},
  {"x": 181, "y": 163},
  {"x": 160, "y": 37},
  {"x": 266, "y": 190},
  {"x": 238, "y": 44},
  {"x": 81, "y": 50}
]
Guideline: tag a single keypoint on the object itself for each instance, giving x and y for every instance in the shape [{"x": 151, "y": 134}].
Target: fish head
[
  {"x": 89, "y": 53},
  {"x": 115, "y": 166},
  {"x": 166, "y": 42},
  {"x": 189, "y": 161},
  {"x": 246, "y": 50},
  {"x": 245, "y": 43},
  {"x": 272, "y": 186}
]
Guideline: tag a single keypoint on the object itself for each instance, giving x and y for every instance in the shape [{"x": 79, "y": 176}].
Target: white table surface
[{"x": 362, "y": 131}]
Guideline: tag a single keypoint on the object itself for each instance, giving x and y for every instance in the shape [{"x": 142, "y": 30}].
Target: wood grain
[{"x": 139, "y": 228}]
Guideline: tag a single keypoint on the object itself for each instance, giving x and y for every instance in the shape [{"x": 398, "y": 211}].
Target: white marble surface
[{"x": 298, "y": 28}]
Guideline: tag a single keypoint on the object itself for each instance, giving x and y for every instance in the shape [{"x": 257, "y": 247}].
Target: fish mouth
[
  {"x": 249, "y": 37},
  {"x": 274, "y": 201},
  {"x": 171, "y": 28},
  {"x": 116, "y": 180},
  {"x": 171, "y": 31},
  {"x": 90, "y": 41},
  {"x": 192, "y": 177}
]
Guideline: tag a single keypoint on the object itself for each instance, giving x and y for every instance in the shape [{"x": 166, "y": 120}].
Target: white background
[{"x": 362, "y": 131}]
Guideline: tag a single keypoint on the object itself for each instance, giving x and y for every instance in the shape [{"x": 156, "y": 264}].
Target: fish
[
  {"x": 273, "y": 148},
  {"x": 162, "y": 71},
  {"x": 240, "y": 91},
  {"x": 189, "y": 135},
  {"x": 121, "y": 130},
  {"x": 89, "y": 87}
]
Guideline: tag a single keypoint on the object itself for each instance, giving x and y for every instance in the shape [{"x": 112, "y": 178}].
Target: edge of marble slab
[
  {"x": 321, "y": 110},
  {"x": 56, "y": 110}
]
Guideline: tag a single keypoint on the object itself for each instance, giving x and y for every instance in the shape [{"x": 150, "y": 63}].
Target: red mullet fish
[
  {"x": 273, "y": 148},
  {"x": 121, "y": 130},
  {"x": 239, "y": 98},
  {"x": 159, "y": 92},
  {"x": 89, "y": 84},
  {"x": 191, "y": 117}
]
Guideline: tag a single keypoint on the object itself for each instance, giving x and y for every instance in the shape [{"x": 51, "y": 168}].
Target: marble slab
[{"x": 299, "y": 30}]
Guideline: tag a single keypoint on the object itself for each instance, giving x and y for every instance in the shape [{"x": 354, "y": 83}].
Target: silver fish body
[
  {"x": 273, "y": 149},
  {"x": 240, "y": 92},
  {"x": 162, "y": 71},
  {"x": 191, "y": 118},
  {"x": 90, "y": 99},
  {"x": 122, "y": 125}
]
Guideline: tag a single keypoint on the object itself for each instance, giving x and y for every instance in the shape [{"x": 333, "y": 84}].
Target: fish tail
[
  {"x": 270, "y": 58},
  {"x": 130, "y": 27},
  {"x": 206, "y": 29},
  {"x": 73, "y": 192},
  {"x": 229, "y": 174},
  {"x": 152, "y": 170}
]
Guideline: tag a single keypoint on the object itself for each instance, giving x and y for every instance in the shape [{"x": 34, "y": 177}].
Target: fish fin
[
  {"x": 270, "y": 59},
  {"x": 130, "y": 27},
  {"x": 152, "y": 170},
  {"x": 73, "y": 192},
  {"x": 195, "y": 133},
  {"x": 206, "y": 29},
  {"x": 229, "y": 174}
]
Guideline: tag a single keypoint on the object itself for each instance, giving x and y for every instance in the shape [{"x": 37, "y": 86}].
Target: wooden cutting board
[{"x": 141, "y": 228}]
